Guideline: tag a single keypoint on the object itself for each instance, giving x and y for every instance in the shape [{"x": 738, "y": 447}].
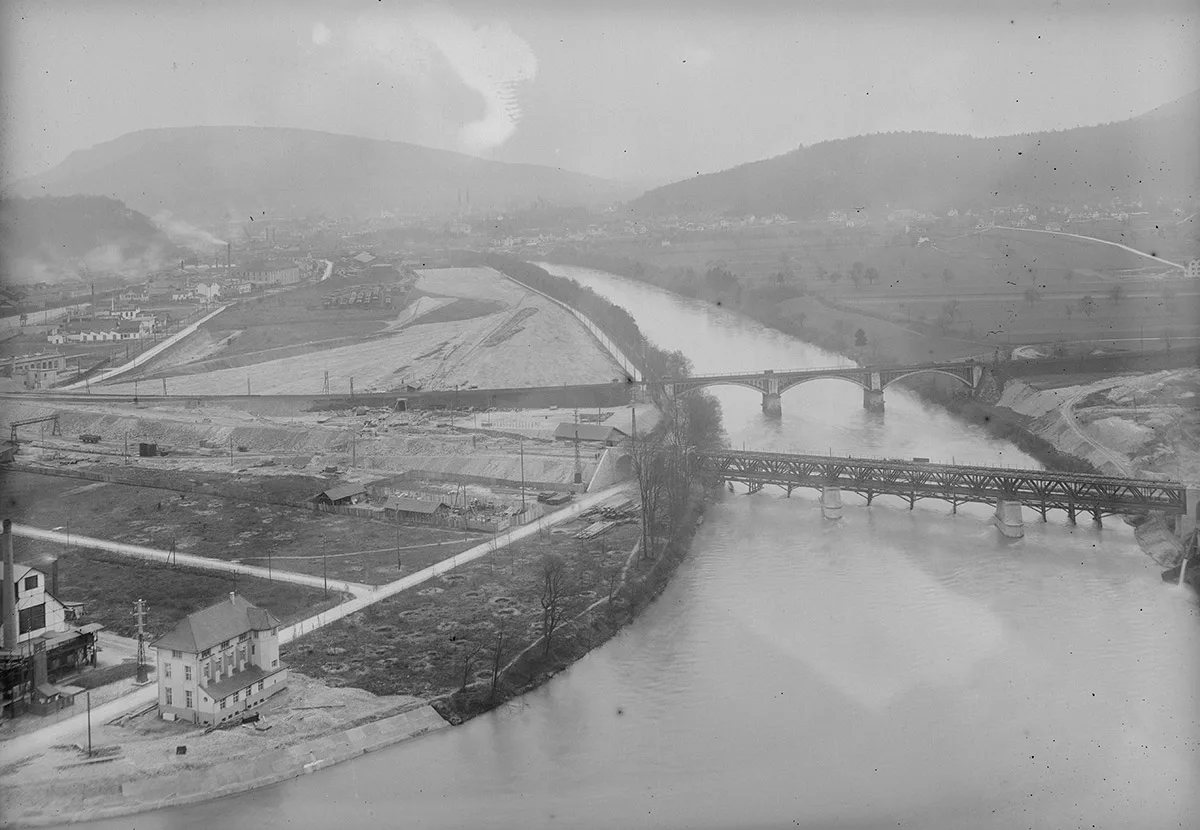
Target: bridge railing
[
  {"x": 850, "y": 367},
  {"x": 928, "y": 466}
]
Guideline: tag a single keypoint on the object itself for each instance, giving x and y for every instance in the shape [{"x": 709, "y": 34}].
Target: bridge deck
[
  {"x": 819, "y": 371},
  {"x": 956, "y": 483}
]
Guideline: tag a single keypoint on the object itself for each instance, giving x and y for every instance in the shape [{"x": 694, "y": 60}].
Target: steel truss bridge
[
  {"x": 913, "y": 480},
  {"x": 873, "y": 380}
]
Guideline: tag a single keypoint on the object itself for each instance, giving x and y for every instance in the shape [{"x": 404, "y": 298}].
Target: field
[
  {"x": 421, "y": 642},
  {"x": 953, "y": 296},
  {"x": 300, "y": 540},
  {"x": 108, "y": 585},
  {"x": 529, "y": 341}
]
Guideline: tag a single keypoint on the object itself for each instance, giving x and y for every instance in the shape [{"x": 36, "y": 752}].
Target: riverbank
[{"x": 138, "y": 768}]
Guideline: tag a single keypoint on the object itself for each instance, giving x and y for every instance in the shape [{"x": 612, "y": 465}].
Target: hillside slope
[
  {"x": 46, "y": 238},
  {"x": 207, "y": 174},
  {"x": 1143, "y": 158}
]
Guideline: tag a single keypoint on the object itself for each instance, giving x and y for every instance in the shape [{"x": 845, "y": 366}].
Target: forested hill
[
  {"x": 49, "y": 237},
  {"x": 1142, "y": 158}
]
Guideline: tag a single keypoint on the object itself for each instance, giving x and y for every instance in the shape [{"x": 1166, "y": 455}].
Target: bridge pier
[
  {"x": 772, "y": 406},
  {"x": 1008, "y": 519},
  {"x": 873, "y": 400},
  {"x": 831, "y": 502},
  {"x": 1185, "y": 525}
]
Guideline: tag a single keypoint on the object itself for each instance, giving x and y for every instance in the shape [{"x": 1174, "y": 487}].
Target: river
[{"x": 894, "y": 669}]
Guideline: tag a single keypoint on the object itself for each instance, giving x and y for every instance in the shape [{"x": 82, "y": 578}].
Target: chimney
[{"x": 9, "y": 592}]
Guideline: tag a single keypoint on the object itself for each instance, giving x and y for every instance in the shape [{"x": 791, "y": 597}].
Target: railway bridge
[
  {"x": 1007, "y": 489},
  {"x": 773, "y": 383}
]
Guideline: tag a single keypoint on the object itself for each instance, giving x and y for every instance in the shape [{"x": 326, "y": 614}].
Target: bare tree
[
  {"x": 1087, "y": 304},
  {"x": 497, "y": 656},
  {"x": 468, "y": 662},
  {"x": 554, "y": 588}
]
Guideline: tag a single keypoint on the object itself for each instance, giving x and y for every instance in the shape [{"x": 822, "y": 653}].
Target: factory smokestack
[{"x": 8, "y": 608}]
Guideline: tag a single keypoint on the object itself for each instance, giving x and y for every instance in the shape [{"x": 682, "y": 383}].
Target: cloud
[
  {"x": 488, "y": 58},
  {"x": 320, "y": 33}
]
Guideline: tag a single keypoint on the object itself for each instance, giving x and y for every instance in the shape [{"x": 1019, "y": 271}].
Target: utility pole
[
  {"x": 231, "y": 448},
  {"x": 398, "y": 565},
  {"x": 140, "y": 611},
  {"x": 126, "y": 445},
  {"x": 164, "y": 380},
  {"x": 523, "y": 516},
  {"x": 325, "y": 564},
  {"x": 89, "y": 718},
  {"x": 578, "y": 465},
  {"x": 269, "y": 562},
  {"x": 247, "y": 385}
]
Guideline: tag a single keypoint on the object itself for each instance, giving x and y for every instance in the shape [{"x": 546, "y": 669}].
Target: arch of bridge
[{"x": 966, "y": 381}]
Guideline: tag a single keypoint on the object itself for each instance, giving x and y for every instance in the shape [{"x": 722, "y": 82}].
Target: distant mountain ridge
[
  {"x": 208, "y": 174},
  {"x": 1142, "y": 158}
]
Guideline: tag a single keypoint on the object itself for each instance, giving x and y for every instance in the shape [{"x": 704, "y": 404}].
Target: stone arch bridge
[{"x": 873, "y": 380}]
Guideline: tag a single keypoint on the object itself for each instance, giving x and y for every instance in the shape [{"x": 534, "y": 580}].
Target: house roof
[
  {"x": 364, "y": 257},
  {"x": 586, "y": 432},
  {"x": 215, "y": 624},
  {"x": 238, "y": 681},
  {"x": 407, "y": 505},
  {"x": 342, "y": 491}
]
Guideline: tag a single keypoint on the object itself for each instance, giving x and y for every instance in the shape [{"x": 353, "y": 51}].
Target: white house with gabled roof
[{"x": 218, "y": 662}]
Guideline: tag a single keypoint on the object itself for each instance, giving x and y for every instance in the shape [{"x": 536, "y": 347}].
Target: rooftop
[
  {"x": 586, "y": 432},
  {"x": 408, "y": 505},
  {"x": 216, "y": 624}
]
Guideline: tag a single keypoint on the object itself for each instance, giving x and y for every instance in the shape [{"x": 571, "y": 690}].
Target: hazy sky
[{"x": 644, "y": 91}]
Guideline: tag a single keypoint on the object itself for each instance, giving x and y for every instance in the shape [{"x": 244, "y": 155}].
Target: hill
[
  {"x": 208, "y": 174},
  {"x": 47, "y": 238},
  {"x": 1150, "y": 156}
]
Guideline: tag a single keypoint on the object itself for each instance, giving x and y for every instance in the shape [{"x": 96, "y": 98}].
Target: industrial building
[
  {"x": 415, "y": 510},
  {"x": 342, "y": 494},
  {"x": 589, "y": 433},
  {"x": 39, "y": 641}
]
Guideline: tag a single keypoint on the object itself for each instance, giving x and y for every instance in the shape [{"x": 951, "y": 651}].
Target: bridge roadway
[
  {"x": 1008, "y": 489},
  {"x": 873, "y": 380}
]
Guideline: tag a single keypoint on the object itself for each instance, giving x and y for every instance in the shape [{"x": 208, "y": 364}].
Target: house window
[
  {"x": 166, "y": 670},
  {"x": 222, "y": 703},
  {"x": 187, "y": 674},
  {"x": 217, "y": 665},
  {"x": 235, "y": 697},
  {"x": 31, "y": 582},
  {"x": 260, "y": 684},
  {"x": 244, "y": 636},
  {"x": 256, "y": 635},
  {"x": 31, "y": 619},
  {"x": 252, "y": 648},
  {"x": 187, "y": 700},
  {"x": 274, "y": 663},
  {"x": 176, "y": 655},
  {"x": 168, "y": 697},
  {"x": 206, "y": 652},
  {"x": 224, "y": 645}
]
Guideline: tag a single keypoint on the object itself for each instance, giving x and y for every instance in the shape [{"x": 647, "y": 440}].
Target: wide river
[{"x": 893, "y": 669}]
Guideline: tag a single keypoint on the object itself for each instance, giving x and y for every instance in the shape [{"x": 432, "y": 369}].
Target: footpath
[{"x": 65, "y": 799}]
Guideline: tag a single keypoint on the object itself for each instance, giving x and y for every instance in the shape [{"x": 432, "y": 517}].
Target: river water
[{"x": 894, "y": 669}]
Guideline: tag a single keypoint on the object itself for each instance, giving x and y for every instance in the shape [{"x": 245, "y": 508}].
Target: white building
[
  {"x": 218, "y": 662},
  {"x": 1193, "y": 269}
]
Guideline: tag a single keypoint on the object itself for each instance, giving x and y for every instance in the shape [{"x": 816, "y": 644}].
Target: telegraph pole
[
  {"x": 89, "y": 718},
  {"x": 523, "y": 516},
  {"x": 325, "y": 565},
  {"x": 140, "y": 611}
]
